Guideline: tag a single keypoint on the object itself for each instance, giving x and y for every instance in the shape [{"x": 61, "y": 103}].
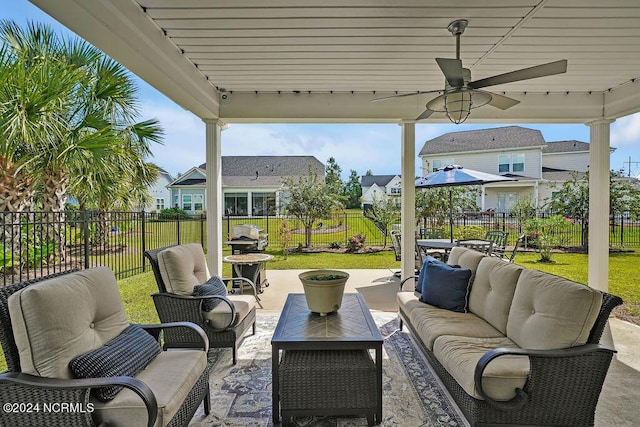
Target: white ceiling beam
[
  {"x": 357, "y": 108},
  {"x": 122, "y": 30},
  {"x": 623, "y": 100}
]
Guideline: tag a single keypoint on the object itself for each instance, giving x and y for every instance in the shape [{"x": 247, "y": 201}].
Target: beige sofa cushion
[
  {"x": 183, "y": 267},
  {"x": 431, "y": 322},
  {"x": 550, "y": 312},
  {"x": 460, "y": 355},
  {"x": 220, "y": 315},
  {"x": 408, "y": 301},
  {"x": 88, "y": 313},
  {"x": 492, "y": 291},
  {"x": 171, "y": 376},
  {"x": 466, "y": 258}
]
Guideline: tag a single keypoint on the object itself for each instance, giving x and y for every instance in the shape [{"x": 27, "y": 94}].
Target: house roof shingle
[
  {"x": 261, "y": 171},
  {"x": 565, "y": 147},
  {"x": 379, "y": 180},
  {"x": 507, "y": 137}
]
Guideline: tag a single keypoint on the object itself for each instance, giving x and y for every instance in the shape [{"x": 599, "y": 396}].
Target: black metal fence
[{"x": 38, "y": 243}]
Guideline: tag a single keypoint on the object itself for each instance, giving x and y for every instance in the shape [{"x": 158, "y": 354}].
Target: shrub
[
  {"x": 355, "y": 242},
  {"x": 173, "y": 213},
  {"x": 335, "y": 245}
]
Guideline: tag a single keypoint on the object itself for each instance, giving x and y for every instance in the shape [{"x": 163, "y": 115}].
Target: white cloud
[
  {"x": 625, "y": 132},
  {"x": 184, "y": 139}
]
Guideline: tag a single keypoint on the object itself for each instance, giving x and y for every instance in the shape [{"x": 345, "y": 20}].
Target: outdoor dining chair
[
  {"x": 499, "y": 242},
  {"x": 178, "y": 270}
]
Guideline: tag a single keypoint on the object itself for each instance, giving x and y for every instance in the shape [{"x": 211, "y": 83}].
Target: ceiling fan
[{"x": 460, "y": 94}]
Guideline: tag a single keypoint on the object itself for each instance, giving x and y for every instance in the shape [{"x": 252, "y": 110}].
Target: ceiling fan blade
[
  {"x": 402, "y": 95},
  {"x": 502, "y": 102},
  {"x": 425, "y": 114},
  {"x": 452, "y": 70},
  {"x": 557, "y": 67}
]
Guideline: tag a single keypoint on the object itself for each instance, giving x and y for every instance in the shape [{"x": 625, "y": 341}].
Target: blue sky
[{"x": 354, "y": 146}]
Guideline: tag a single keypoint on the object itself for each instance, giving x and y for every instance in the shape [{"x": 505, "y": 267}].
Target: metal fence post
[
  {"x": 144, "y": 240},
  {"x": 85, "y": 231},
  {"x": 202, "y": 220},
  {"x": 178, "y": 227}
]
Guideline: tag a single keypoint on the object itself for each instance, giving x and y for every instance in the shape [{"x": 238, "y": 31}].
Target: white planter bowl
[{"x": 324, "y": 295}]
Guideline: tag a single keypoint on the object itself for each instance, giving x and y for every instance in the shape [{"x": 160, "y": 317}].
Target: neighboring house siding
[
  {"x": 489, "y": 161},
  {"x": 379, "y": 187},
  {"x": 567, "y": 161},
  {"x": 160, "y": 194}
]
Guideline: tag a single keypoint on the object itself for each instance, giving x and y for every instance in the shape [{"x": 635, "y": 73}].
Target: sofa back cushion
[
  {"x": 183, "y": 267},
  {"x": 60, "y": 318},
  {"x": 492, "y": 291},
  {"x": 465, "y": 258},
  {"x": 550, "y": 312}
]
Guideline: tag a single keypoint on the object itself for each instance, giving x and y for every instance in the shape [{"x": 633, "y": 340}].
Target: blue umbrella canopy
[{"x": 454, "y": 175}]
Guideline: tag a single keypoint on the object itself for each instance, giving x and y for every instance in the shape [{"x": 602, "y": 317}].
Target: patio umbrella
[{"x": 454, "y": 175}]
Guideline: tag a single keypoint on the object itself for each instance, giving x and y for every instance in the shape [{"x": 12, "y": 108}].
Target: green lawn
[{"x": 624, "y": 275}]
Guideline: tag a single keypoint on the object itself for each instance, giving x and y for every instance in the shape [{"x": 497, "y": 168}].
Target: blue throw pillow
[
  {"x": 125, "y": 355},
  {"x": 446, "y": 286},
  {"x": 423, "y": 272},
  {"x": 213, "y": 286}
]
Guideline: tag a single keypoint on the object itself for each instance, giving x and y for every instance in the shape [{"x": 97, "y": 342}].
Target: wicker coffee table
[{"x": 326, "y": 368}]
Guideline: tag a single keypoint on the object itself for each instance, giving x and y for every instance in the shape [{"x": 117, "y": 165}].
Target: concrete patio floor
[{"x": 618, "y": 404}]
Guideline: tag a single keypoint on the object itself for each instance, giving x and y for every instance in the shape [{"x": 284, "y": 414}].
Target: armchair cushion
[
  {"x": 171, "y": 376},
  {"x": 219, "y": 317},
  {"x": 183, "y": 267},
  {"x": 214, "y": 286},
  {"x": 125, "y": 355},
  {"x": 89, "y": 313}
]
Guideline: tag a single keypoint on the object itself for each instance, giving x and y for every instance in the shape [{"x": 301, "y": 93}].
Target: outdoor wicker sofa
[
  {"x": 47, "y": 323},
  {"x": 527, "y": 351},
  {"x": 177, "y": 269}
]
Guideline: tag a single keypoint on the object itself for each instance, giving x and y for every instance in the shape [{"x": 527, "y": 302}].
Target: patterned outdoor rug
[{"x": 412, "y": 396}]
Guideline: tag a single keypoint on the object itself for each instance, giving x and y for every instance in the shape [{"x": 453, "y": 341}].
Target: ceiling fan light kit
[{"x": 461, "y": 95}]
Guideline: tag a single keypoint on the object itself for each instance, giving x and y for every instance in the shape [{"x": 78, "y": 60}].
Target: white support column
[
  {"x": 214, "y": 195},
  {"x": 408, "y": 198},
  {"x": 599, "y": 204},
  {"x": 536, "y": 195},
  {"x": 483, "y": 193}
]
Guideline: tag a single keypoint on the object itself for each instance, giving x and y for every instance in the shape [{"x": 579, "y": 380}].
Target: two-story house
[
  {"x": 251, "y": 185},
  {"x": 379, "y": 187},
  {"x": 521, "y": 153},
  {"x": 160, "y": 195}
]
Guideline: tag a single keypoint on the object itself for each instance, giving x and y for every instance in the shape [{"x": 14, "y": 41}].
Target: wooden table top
[{"x": 351, "y": 323}]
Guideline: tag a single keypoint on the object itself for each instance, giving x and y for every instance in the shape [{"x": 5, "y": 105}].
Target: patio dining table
[{"x": 446, "y": 244}]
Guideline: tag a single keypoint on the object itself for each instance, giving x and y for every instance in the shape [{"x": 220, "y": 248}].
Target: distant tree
[
  {"x": 368, "y": 173},
  {"x": 383, "y": 213},
  {"x": 308, "y": 200},
  {"x": 332, "y": 178},
  {"x": 433, "y": 206},
  {"x": 572, "y": 199},
  {"x": 353, "y": 190}
]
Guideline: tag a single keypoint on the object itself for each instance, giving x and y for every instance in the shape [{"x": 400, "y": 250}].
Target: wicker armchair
[
  {"x": 172, "y": 307},
  {"x": 150, "y": 402}
]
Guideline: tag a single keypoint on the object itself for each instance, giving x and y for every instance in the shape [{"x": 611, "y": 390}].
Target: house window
[
  {"x": 198, "y": 202},
  {"x": 440, "y": 163},
  {"x": 504, "y": 163},
  {"x": 159, "y": 204},
  {"x": 507, "y": 200},
  {"x": 176, "y": 200},
  {"x": 186, "y": 202},
  {"x": 263, "y": 203},
  {"x": 235, "y": 204},
  {"x": 395, "y": 190},
  {"x": 517, "y": 162}
]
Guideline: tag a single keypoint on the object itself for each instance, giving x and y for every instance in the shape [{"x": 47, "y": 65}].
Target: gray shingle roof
[
  {"x": 258, "y": 171},
  {"x": 379, "y": 180},
  {"x": 192, "y": 181},
  {"x": 560, "y": 175},
  {"x": 484, "y": 139},
  {"x": 565, "y": 147}
]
